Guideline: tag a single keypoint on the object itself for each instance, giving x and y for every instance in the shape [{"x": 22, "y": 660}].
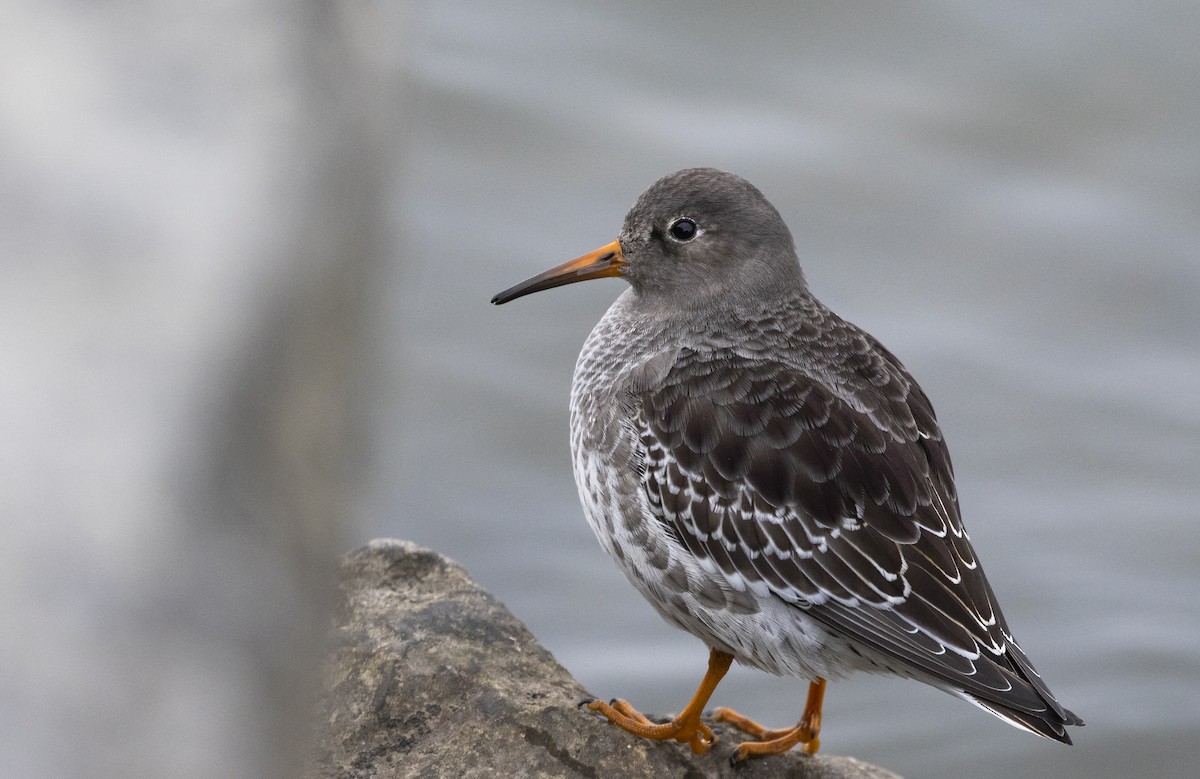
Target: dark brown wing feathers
[{"x": 843, "y": 504}]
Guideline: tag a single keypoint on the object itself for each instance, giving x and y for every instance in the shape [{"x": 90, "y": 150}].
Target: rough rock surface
[{"x": 430, "y": 675}]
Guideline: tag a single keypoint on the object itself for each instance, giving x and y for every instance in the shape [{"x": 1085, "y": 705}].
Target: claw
[
  {"x": 687, "y": 727},
  {"x": 774, "y": 742}
]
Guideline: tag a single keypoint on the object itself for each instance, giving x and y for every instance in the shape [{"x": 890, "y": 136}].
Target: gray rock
[{"x": 430, "y": 675}]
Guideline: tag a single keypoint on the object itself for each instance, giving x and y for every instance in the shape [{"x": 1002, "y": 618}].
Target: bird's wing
[{"x": 841, "y": 503}]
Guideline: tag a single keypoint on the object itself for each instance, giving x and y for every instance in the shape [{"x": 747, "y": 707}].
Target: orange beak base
[{"x": 605, "y": 261}]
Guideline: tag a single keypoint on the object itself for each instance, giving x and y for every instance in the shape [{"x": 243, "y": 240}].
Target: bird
[{"x": 770, "y": 477}]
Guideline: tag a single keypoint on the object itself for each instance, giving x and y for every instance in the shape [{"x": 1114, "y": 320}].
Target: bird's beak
[{"x": 605, "y": 261}]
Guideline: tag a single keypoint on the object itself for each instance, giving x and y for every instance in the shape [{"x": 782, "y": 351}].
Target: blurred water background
[{"x": 1007, "y": 195}]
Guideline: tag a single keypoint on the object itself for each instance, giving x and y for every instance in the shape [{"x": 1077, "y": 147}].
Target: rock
[{"x": 430, "y": 675}]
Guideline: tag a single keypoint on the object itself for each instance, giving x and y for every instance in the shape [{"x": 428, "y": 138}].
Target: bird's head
[{"x": 697, "y": 235}]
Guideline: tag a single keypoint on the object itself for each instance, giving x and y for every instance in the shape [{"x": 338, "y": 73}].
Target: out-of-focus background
[{"x": 246, "y": 250}]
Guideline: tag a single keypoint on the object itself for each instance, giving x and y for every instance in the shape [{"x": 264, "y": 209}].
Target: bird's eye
[{"x": 683, "y": 229}]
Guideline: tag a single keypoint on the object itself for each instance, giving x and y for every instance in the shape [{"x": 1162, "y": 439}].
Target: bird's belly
[{"x": 758, "y": 628}]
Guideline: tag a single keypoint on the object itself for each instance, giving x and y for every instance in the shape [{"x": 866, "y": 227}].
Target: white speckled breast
[{"x": 732, "y": 614}]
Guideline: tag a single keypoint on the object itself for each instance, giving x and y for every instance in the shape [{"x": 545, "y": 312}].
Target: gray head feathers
[{"x": 701, "y": 233}]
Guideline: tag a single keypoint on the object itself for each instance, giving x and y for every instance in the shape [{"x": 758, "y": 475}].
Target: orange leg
[
  {"x": 687, "y": 727},
  {"x": 774, "y": 742}
]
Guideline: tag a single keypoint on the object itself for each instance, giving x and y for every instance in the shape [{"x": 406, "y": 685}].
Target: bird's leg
[
  {"x": 773, "y": 742},
  {"x": 685, "y": 728}
]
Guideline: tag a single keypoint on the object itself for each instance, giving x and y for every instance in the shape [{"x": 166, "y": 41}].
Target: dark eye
[{"x": 683, "y": 230}]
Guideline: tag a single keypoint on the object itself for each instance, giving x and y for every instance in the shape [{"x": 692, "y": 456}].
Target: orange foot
[
  {"x": 687, "y": 727},
  {"x": 774, "y": 742}
]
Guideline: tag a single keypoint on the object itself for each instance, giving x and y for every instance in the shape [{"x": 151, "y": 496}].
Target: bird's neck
[{"x": 709, "y": 306}]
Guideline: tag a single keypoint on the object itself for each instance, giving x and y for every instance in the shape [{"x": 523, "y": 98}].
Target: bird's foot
[
  {"x": 686, "y": 728},
  {"x": 773, "y": 742},
  {"x": 768, "y": 741}
]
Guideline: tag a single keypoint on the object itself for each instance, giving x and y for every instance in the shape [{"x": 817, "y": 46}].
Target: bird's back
[{"x": 788, "y": 454}]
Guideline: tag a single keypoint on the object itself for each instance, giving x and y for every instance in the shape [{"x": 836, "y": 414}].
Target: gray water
[{"x": 1007, "y": 196}]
